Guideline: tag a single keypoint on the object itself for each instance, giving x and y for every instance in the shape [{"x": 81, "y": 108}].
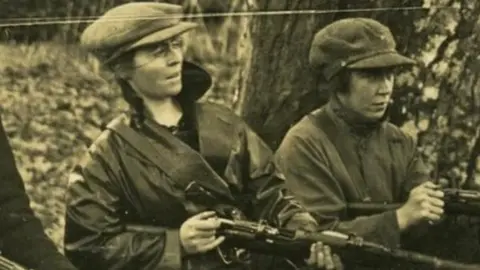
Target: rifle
[
  {"x": 242, "y": 236},
  {"x": 265, "y": 239},
  {"x": 457, "y": 202},
  {"x": 6, "y": 264}
]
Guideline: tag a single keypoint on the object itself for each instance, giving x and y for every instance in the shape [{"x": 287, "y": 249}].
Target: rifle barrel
[
  {"x": 454, "y": 208},
  {"x": 370, "y": 208},
  {"x": 358, "y": 244}
]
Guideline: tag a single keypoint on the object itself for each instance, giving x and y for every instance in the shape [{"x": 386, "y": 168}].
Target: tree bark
[
  {"x": 280, "y": 83},
  {"x": 225, "y": 49}
]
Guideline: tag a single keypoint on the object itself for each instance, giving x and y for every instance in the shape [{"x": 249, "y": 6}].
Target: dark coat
[
  {"x": 22, "y": 238},
  {"x": 327, "y": 172},
  {"x": 119, "y": 184}
]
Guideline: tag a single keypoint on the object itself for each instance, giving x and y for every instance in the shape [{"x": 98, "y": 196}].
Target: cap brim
[
  {"x": 196, "y": 81},
  {"x": 389, "y": 59},
  {"x": 163, "y": 34},
  {"x": 155, "y": 37}
]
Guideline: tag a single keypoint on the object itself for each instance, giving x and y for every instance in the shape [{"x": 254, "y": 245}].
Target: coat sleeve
[
  {"x": 417, "y": 171},
  {"x": 95, "y": 235},
  {"x": 266, "y": 184},
  {"x": 21, "y": 232},
  {"x": 309, "y": 178}
]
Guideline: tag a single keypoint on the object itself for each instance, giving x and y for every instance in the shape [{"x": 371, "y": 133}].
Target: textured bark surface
[
  {"x": 280, "y": 83},
  {"x": 223, "y": 46}
]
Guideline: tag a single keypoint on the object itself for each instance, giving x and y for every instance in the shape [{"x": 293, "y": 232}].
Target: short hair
[
  {"x": 121, "y": 63},
  {"x": 339, "y": 83}
]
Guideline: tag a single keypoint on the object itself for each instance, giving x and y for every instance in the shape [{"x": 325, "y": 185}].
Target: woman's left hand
[{"x": 321, "y": 257}]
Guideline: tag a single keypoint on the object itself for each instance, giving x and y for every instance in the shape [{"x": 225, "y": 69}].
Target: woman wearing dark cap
[
  {"x": 127, "y": 205},
  {"x": 22, "y": 238}
]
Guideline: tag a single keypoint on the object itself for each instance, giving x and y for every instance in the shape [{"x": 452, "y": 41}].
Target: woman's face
[
  {"x": 369, "y": 92},
  {"x": 156, "y": 69}
]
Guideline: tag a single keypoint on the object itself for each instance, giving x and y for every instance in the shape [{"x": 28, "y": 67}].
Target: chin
[
  {"x": 376, "y": 116},
  {"x": 175, "y": 91},
  {"x": 175, "y": 86},
  {"x": 170, "y": 89}
]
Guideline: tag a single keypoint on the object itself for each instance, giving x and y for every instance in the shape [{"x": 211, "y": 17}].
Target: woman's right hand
[
  {"x": 198, "y": 233},
  {"x": 424, "y": 203}
]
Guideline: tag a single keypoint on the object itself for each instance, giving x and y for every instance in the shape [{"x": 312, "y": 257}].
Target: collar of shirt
[{"x": 186, "y": 122}]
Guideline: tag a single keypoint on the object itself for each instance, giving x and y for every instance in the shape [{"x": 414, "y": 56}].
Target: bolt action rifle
[
  {"x": 295, "y": 244},
  {"x": 243, "y": 236}
]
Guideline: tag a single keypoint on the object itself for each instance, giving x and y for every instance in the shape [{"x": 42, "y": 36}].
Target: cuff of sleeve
[
  {"x": 303, "y": 221},
  {"x": 391, "y": 228},
  {"x": 172, "y": 253}
]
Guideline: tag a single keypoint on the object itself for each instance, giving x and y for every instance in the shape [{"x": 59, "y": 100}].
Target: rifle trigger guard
[{"x": 234, "y": 255}]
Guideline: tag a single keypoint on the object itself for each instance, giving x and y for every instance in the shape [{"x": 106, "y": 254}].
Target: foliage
[
  {"x": 23, "y": 12},
  {"x": 53, "y": 106},
  {"x": 448, "y": 105}
]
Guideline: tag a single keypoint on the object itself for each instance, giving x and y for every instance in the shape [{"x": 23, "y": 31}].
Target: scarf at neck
[{"x": 358, "y": 124}]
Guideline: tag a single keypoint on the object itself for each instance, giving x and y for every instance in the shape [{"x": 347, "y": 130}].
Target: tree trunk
[
  {"x": 225, "y": 49},
  {"x": 280, "y": 84}
]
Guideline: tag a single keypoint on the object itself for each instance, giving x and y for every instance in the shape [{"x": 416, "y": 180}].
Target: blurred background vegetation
[{"x": 55, "y": 99}]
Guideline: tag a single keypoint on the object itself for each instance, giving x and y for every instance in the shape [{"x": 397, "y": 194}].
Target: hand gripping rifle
[
  {"x": 262, "y": 238},
  {"x": 457, "y": 202}
]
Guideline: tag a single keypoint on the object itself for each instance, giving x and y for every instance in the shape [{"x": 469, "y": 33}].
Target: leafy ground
[{"x": 52, "y": 105}]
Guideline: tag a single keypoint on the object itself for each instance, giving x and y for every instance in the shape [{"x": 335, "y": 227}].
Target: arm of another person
[
  {"x": 96, "y": 237},
  {"x": 21, "y": 233},
  {"x": 309, "y": 178}
]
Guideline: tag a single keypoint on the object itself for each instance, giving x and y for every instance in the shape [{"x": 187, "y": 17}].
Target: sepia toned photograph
[{"x": 239, "y": 134}]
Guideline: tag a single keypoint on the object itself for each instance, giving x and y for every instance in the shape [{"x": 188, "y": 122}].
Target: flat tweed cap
[
  {"x": 354, "y": 43},
  {"x": 129, "y": 26}
]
